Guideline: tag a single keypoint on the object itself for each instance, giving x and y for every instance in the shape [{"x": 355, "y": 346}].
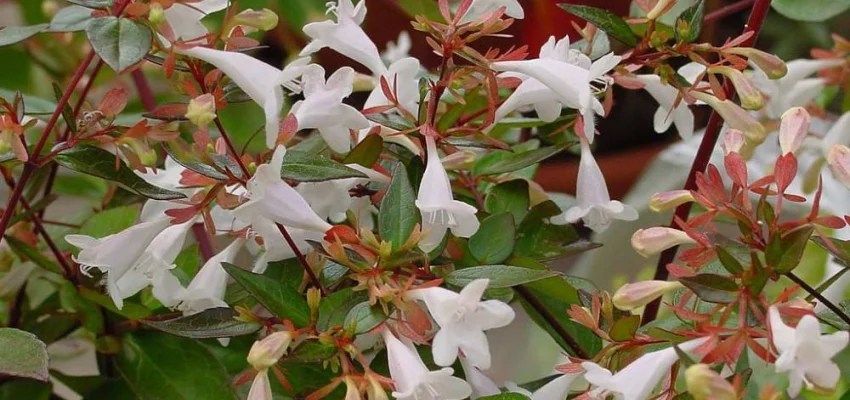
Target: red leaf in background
[
  {"x": 830, "y": 221},
  {"x": 113, "y": 102},
  {"x": 168, "y": 112},
  {"x": 181, "y": 215},
  {"x": 784, "y": 171},
  {"x": 344, "y": 233},
  {"x": 678, "y": 271}
]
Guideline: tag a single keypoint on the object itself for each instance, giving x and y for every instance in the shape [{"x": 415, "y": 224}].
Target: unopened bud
[
  {"x": 314, "y": 297},
  {"x": 651, "y": 241},
  {"x": 265, "y": 353},
  {"x": 735, "y": 117},
  {"x": 365, "y": 83},
  {"x": 459, "y": 160},
  {"x": 661, "y": 7},
  {"x": 201, "y": 110},
  {"x": 669, "y": 200},
  {"x": 793, "y": 129},
  {"x": 733, "y": 141},
  {"x": 771, "y": 65},
  {"x": 375, "y": 391},
  {"x": 838, "y": 159},
  {"x": 264, "y": 20},
  {"x": 352, "y": 392},
  {"x": 705, "y": 384},
  {"x": 751, "y": 98},
  {"x": 635, "y": 295},
  {"x": 50, "y": 8},
  {"x": 156, "y": 14}
]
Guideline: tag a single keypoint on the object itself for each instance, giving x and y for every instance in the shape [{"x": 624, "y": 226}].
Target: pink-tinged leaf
[
  {"x": 169, "y": 112},
  {"x": 736, "y": 167},
  {"x": 785, "y": 170},
  {"x": 830, "y": 221},
  {"x": 114, "y": 102}
]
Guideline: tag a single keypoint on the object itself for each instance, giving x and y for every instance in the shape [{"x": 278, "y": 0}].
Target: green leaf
[
  {"x": 426, "y": 8},
  {"x": 335, "y": 307},
  {"x": 398, "y": 214},
  {"x": 613, "y": 25},
  {"x": 501, "y": 161},
  {"x": 32, "y": 105},
  {"x": 837, "y": 247},
  {"x": 364, "y": 317},
  {"x": 785, "y": 253},
  {"x": 624, "y": 328},
  {"x": 311, "y": 352},
  {"x": 505, "y": 396},
  {"x": 392, "y": 121},
  {"x": 712, "y": 288},
  {"x": 130, "y": 310},
  {"x": 120, "y": 42},
  {"x": 70, "y": 19},
  {"x": 159, "y": 366},
  {"x": 728, "y": 260},
  {"x": 500, "y": 276},
  {"x": 26, "y": 252},
  {"x": 183, "y": 155},
  {"x": 367, "y": 152},
  {"x": 212, "y": 323},
  {"x": 538, "y": 238},
  {"x": 99, "y": 4},
  {"x": 833, "y": 319},
  {"x": 281, "y": 300},
  {"x": 67, "y": 113},
  {"x": 692, "y": 19},
  {"x": 110, "y": 221},
  {"x": 511, "y": 196},
  {"x": 14, "y": 34},
  {"x": 305, "y": 167},
  {"x": 810, "y": 10},
  {"x": 23, "y": 355},
  {"x": 97, "y": 162},
  {"x": 494, "y": 241},
  {"x": 25, "y": 389}
]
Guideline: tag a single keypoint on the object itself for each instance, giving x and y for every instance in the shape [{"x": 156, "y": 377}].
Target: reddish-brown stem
[
  {"x": 728, "y": 10},
  {"x": 706, "y": 147},
  {"x": 550, "y": 319},
  {"x": 232, "y": 148},
  {"x": 313, "y": 278},
  {"x": 203, "y": 239},
  {"x": 144, "y": 89}
]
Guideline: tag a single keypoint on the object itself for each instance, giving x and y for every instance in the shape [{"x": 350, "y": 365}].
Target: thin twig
[
  {"x": 726, "y": 11},
  {"x": 709, "y": 141},
  {"x": 312, "y": 275},
  {"x": 812, "y": 291},
  {"x": 550, "y": 319}
]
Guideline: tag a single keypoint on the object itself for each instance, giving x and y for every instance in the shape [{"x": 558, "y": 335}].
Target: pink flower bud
[
  {"x": 664, "y": 201},
  {"x": 735, "y": 117},
  {"x": 201, "y": 110},
  {"x": 733, "y": 141},
  {"x": 838, "y": 159},
  {"x": 459, "y": 160},
  {"x": 635, "y": 295},
  {"x": 704, "y": 384},
  {"x": 770, "y": 64},
  {"x": 265, "y": 353},
  {"x": 793, "y": 129},
  {"x": 751, "y": 98},
  {"x": 651, "y": 241}
]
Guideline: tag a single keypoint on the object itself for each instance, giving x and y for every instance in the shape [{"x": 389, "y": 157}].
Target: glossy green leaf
[
  {"x": 538, "y": 238},
  {"x": 32, "y": 105},
  {"x": 130, "y": 310},
  {"x": 70, "y": 19},
  {"x": 25, "y": 389},
  {"x": 335, "y": 307},
  {"x": 728, "y": 260},
  {"x": 784, "y": 254},
  {"x": 624, "y": 328},
  {"x": 26, "y": 252},
  {"x": 837, "y": 247},
  {"x": 712, "y": 288},
  {"x": 810, "y": 10},
  {"x": 281, "y": 300},
  {"x": 426, "y": 8},
  {"x": 692, "y": 19},
  {"x": 23, "y": 355},
  {"x": 14, "y": 34},
  {"x": 120, "y": 42},
  {"x": 392, "y": 121},
  {"x": 511, "y": 196},
  {"x": 100, "y": 4},
  {"x": 494, "y": 241},
  {"x": 108, "y": 222},
  {"x": 501, "y": 161},
  {"x": 398, "y": 214},
  {"x": 159, "y": 366},
  {"x": 311, "y": 352},
  {"x": 305, "y": 167},
  {"x": 363, "y": 317},
  {"x": 183, "y": 155},
  {"x": 605, "y": 20},
  {"x": 500, "y": 276},
  {"x": 367, "y": 152},
  {"x": 212, "y": 323},
  {"x": 67, "y": 112},
  {"x": 97, "y": 162}
]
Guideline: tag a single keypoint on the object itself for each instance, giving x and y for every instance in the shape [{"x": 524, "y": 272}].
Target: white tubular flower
[
  {"x": 261, "y": 387},
  {"x": 399, "y": 49},
  {"x": 793, "y": 129},
  {"x": 482, "y": 385},
  {"x": 413, "y": 380},
  {"x": 264, "y": 354},
  {"x": 440, "y": 211},
  {"x": 595, "y": 206},
  {"x": 331, "y": 199},
  {"x": 115, "y": 254},
  {"x": 651, "y": 241},
  {"x": 345, "y": 36},
  {"x": 323, "y": 109},
  {"x": 166, "y": 178},
  {"x": 185, "y": 19},
  {"x": 733, "y": 141},
  {"x": 637, "y": 380},
  {"x": 839, "y": 133},
  {"x": 260, "y": 81},
  {"x": 805, "y": 354},
  {"x": 793, "y": 90},
  {"x": 208, "y": 286},
  {"x": 666, "y": 115},
  {"x": 664, "y": 201},
  {"x": 838, "y": 160},
  {"x": 275, "y": 245},
  {"x": 463, "y": 318},
  {"x": 556, "y": 389},
  {"x": 635, "y": 295},
  {"x": 271, "y": 198},
  {"x": 480, "y": 7},
  {"x": 402, "y": 76}
]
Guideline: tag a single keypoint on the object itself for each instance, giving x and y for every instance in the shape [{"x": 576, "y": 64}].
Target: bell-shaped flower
[
  {"x": 399, "y": 49},
  {"x": 345, "y": 36},
  {"x": 638, "y": 379},
  {"x": 735, "y": 117},
  {"x": 168, "y": 177},
  {"x": 323, "y": 109},
  {"x": 839, "y": 133},
  {"x": 260, "y": 81},
  {"x": 651, "y": 241},
  {"x": 793, "y": 129},
  {"x": 440, "y": 211},
  {"x": 795, "y": 89},
  {"x": 271, "y": 198},
  {"x": 838, "y": 160},
  {"x": 400, "y": 77},
  {"x": 635, "y": 295},
  {"x": 275, "y": 247},
  {"x": 664, "y": 201},
  {"x": 115, "y": 254},
  {"x": 206, "y": 290},
  {"x": 331, "y": 199},
  {"x": 185, "y": 19},
  {"x": 666, "y": 115},
  {"x": 805, "y": 354},
  {"x": 413, "y": 380},
  {"x": 733, "y": 141},
  {"x": 482, "y": 385},
  {"x": 479, "y": 8},
  {"x": 264, "y": 354},
  {"x": 463, "y": 318},
  {"x": 595, "y": 206}
]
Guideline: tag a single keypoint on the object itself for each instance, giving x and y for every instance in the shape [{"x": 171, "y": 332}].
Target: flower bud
[
  {"x": 265, "y": 353},
  {"x": 669, "y": 200},
  {"x": 352, "y": 392},
  {"x": 751, "y": 98},
  {"x": 365, "y": 83},
  {"x": 660, "y": 8},
  {"x": 838, "y": 159},
  {"x": 733, "y": 141},
  {"x": 770, "y": 64},
  {"x": 705, "y": 384},
  {"x": 50, "y": 8},
  {"x": 735, "y": 117},
  {"x": 375, "y": 391},
  {"x": 651, "y": 241},
  {"x": 459, "y": 160},
  {"x": 264, "y": 20},
  {"x": 793, "y": 129},
  {"x": 156, "y": 14},
  {"x": 201, "y": 110},
  {"x": 635, "y": 295}
]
